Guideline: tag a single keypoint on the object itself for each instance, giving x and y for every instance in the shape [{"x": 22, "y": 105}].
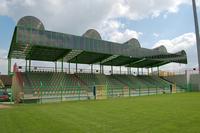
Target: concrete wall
[{"x": 195, "y": 81}]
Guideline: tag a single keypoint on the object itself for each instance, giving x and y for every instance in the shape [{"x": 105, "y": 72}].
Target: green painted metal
[
  {"x": 41, "y": 91},
  {"x": 62, "y": 92},
  {"x": 26, "y": 66},
  {"x": 9, "y": 66},
  {"x": 62, "y": 65},
  {"x": 29, "y": 66},
  {"x": 44, "y": 45}
]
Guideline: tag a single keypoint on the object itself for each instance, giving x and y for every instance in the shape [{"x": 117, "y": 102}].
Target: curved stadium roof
[{"x": 32, "y": 42}]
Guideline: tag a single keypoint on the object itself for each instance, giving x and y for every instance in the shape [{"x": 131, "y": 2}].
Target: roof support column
[
  {"x": 69, "y": 67},
  {"x": 111, "y": 69},
  {"x": 158, "y": 71},
  {"x": 9, "y": 66},
  {"x": 120, "y": 70},
  {"x": 138, "y": 72},
  {"x": 102, "y": 69},
  {"x": 76, "y": 65},
  {"x": 29, "y": 66},
  {"x": 130, "y": 71},
  {"x": 62, "y": 65},
  {"x": 148, "y": 71},
  {"x": 91, "y": 68},
  {"x": 152, "y": 71},
  {"x": 142, "y": 71},
  {"x": 26, "y": 66},
  {"x": 55, "y": 66}
]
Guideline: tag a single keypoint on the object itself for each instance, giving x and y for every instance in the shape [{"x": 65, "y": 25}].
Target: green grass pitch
[{"x": 168, "y": 113}]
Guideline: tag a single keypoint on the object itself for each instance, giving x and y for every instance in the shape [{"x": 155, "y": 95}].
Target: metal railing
[
  {"x": 43, "y": 93},
  {"x": 80, "y": 70}
]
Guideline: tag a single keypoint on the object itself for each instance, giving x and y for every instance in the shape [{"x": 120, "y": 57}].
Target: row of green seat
[
  {"x": 142, "y": 81},
  {"x": 179, "y": 80},
  {"x": 34, "y": 80}
]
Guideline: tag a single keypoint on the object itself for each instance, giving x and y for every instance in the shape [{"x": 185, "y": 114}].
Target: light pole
[{"x": 197, "y": 32}]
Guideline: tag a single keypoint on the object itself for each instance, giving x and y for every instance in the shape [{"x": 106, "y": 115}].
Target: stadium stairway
[{"x": 179, "y": 80}]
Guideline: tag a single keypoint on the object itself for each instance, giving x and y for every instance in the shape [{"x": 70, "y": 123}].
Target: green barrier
[{"x": 43, "y": 92}]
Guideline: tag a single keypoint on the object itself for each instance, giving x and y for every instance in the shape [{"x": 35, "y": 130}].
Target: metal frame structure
[{"x": 32, "y": 43}]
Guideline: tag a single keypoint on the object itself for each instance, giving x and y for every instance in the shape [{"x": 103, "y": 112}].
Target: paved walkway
[{"x": 4, "y": 106}]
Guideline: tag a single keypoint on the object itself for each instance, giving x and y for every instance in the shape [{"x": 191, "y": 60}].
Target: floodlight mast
[{"x": 197, "y": 32}]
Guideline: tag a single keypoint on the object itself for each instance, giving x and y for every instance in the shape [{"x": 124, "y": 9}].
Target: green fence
[{"x": 43, "y": 93}]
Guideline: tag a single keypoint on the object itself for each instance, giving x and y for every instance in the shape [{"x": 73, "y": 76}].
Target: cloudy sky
[{"x": 152, "y": 22}]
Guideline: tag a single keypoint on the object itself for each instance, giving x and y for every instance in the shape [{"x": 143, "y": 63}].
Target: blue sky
[
  {"x": 163, "y": 23},
  {"x": 6, "y": 31},
  {"x": 168, "y": 28}
]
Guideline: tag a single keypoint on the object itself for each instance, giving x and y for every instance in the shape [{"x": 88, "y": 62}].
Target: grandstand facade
[{"x": 31, "y": 83}]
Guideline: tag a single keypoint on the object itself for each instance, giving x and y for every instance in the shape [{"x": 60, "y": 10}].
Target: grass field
[{"x": 176, "y": 113}]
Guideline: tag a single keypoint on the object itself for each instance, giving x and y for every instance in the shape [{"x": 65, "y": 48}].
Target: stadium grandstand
[
  {"x": 5, "y": 82},
  {"x": 31, "y": 41}
]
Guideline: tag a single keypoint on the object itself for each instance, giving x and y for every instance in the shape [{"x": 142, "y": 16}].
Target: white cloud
[
  {"x": 156, "y": 35},
  {"x": 184, "y": 41},
  {"x": 3, "y": 61},
  {"x": 115, "y": 31},
  {"x": 124, "y": 36},
  {"x": 139, "y": 9},
  {"x": 76, "y": 16}
]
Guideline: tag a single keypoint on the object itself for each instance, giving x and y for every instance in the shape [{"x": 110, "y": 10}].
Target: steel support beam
[
  {"x": 9, "y": 66},
  {"x": 29, "y": 66},
  {"x": 55, "y": 66},
  {"x": 62, "y": 65},
  {"x": 158, "y": 71},
  {"x": 76, "y": 65},
  {"x": 91, "y": 68},
  {"x": 136, "y": 62},
  {"x": 102, "y": 69},
  {"x": 111, "y": 69},
  {"x": 26, "y": 66},
  {"x": 69, "y": 67},
  {"x": 142, "y": 71}
]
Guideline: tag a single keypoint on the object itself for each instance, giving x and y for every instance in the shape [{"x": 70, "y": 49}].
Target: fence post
[
  {"x": 148, "y": 90},
  {"x": 139, "y": 90},
  {"x": 112, "y": 91},
  {"x": 41, "y": 92},
  {"x": 156, "y": 90},
  {"x": 129, "y": 91},
  {"x": 122, "y": 91},
  {"x": 94, "y": 91},
  {"x": 11, "y": 97},
  {"x": 107, "y": 89},
  {"x": 61, "y": 92},
  {"x": 79, "y": 91}
]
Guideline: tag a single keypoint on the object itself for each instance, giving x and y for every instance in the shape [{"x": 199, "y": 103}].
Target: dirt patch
[{"x": 4, "y": 106}]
